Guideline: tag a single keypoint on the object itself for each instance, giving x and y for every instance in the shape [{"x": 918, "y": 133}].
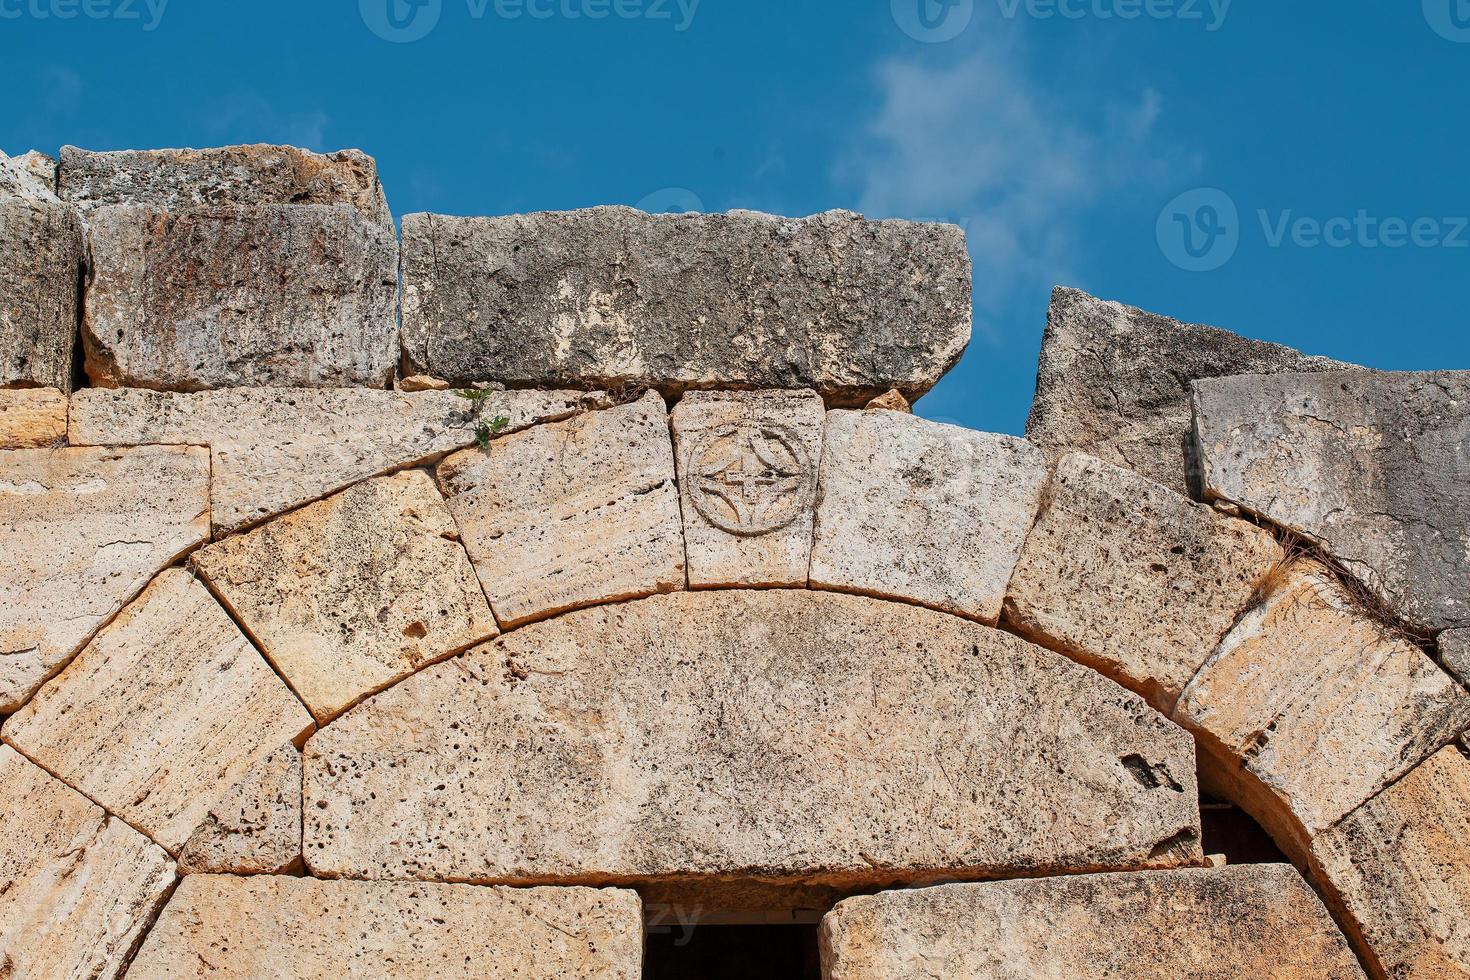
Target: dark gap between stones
[{"x": 724, "y": 952}]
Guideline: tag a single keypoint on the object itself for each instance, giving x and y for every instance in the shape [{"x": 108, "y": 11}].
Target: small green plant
[{"x": 484, "y": 430}]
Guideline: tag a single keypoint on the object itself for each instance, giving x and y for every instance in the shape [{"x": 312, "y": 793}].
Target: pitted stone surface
[
  {"x": 19, "y": 177},
  {"x": 1309, "y": 708},
  {"x": 718, "y": 740},
  {"x": 609, "y": 296},
  {"x": 81, "y": 532},
  {"x": 299, "y": 929},
  {"x": 182, "y": 180},
  {"x": 256, "y": 828},
  {"x": 354, "y": 592},
  {"x": 162, "y": 714},
  {"x": 1399, "y": 870},
  {"x": 1454, "y": 652},
  {"x": 40, "y": 166},
  {"x": 219, "y": 297},
  {"x": 275, "y": 449},
  {"x": 32, "y": 418},
  {"x": 42, "y": 260},
  {"x": 929, "y": 513},
  {"x": 1114, "y": 382},
  {"x": 1129, "y": 577},
  {"x": 77, "y": 887},
  {"x": 570, "y": 514},
  {"x": 1222, "y": 924},
  {"x": 748, "y": 465},
  {"x": 1370, "y": 463}
]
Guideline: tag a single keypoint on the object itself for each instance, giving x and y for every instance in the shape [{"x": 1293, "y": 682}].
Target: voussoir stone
[
  {"x": 77, "y": 887},
  {"x": 32, "y": 418},
  {"x": 256, "y": 827},
  {"x": 182, "y": 180},
  {"x": 747, "y": 464},
  {"x": 1129, "y": 577},
  {"x": 1308, "y": 708},
  {"x": 1215, "y": 924},
  {"x": 354, "y": 592},
  {"x": 1371, "y": 464},
  {"x": 272, "y": 450},
  {"x": 1398, "y": 871},
  {"x": 610, "y": 296},
  {"x": 162, "y": 714},
  {"x": 702, "y": 742},
  {"x": 42, "y": 263},
  {"x": 299, "y": 929},
  {"x": 279, "y": 294},
  {"x": 921, "y": 511},
  {"x": 81, "y": 532},
  {"x": 573, "y": 513},
  {"x": 1113, "y": 382}
]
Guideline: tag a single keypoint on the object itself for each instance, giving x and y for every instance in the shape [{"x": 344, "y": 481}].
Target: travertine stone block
[
  {"x": 703, "y": 743},
  {"x": 81, "y": 532},
  {"x": 1308, "y": 708},
  {"x": 299, "y": 929},
  {"x": 610, "y": 296},
  {"x": 1398, "y": 869},
  {"x": 182, "y": 180},
  {"x": 256, "y": 827},
  {"x": 1113, "y": 382},
  {"x": 221, "y": 297},
  {"x": 571, "y": 514},
  {"x": 32, "y": 418},
  {"x": 354, "y": 592},
  {"x": 77, "y": 887},
  {"x": 928, "y": 513},
  {"x": 747, "y": 464},
  {"x": 1370, "y": 463},
  {"x": 162, "y": 714},
  {"x": 1129, "y": 577},
  {"x": 275, "y": 449},
  {"x": 1220, "y": 924}
]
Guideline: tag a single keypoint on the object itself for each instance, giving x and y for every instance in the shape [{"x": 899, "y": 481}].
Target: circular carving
[{"x": 751, "y": 479}]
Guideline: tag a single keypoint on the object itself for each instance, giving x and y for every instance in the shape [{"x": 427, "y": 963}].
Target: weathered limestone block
[
  {"x": 1398, "y": 870},
  {"x": 77, "y": 887},
  {"x": 256, "y": 828},
  {"x": 42, "y": 261},
  {"x": 300, "y": 929},
  {"x": 705, "y": 742},
  {"x": 223, "y": 297},
  {"x": 1308, "y": 708},
  {"x": 81, "y": 532},
  {"x": 21, "y": 177},
  {"x": 1372, "y": 464},
  {"x": 182, "y": 180},
  {"x": 1114, "y": 383},
  {"x": 748, "y": 465},
  {"x": 275, "y": 449},
  {"x": 1454, "y": 652},
  {"x": 40, "y": 166},
  {"x": 1220, "y": 924},
  {"x": 892, "y": 401},
  {"x": 32, "y": 418},
  {"x": 1129, "y": 577},
  {"x": 162, "y": 714},
  {"x": 609, "y": 296},
  {"x": 354, "y": 592},
  {"x": 929, "y": 513},
  {"x": 570, "y": 514}
]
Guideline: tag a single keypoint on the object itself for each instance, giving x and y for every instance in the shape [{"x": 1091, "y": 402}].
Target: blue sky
[{"x": 1078, "y": 141}]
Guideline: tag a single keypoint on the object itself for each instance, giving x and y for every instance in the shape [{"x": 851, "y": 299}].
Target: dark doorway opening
[
  {"x": 1230, "y": 831},
  {"x": 706, "y": 952}
]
